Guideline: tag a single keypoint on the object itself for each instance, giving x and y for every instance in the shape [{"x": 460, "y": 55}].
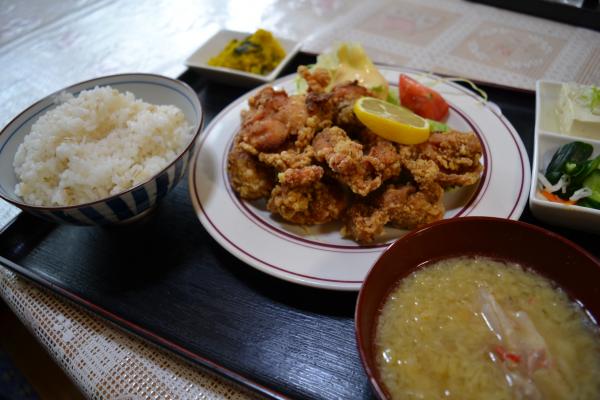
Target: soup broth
[{"x": 475, "y": 328}]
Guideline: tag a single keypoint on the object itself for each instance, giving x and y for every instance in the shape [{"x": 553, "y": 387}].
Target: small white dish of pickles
[{"x": 565, "y": 184}]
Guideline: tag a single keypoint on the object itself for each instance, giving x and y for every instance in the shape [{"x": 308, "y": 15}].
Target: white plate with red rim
[{"x": 317, "y": 255}]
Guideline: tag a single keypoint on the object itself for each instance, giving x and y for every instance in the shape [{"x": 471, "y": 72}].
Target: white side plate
[
  {"x": 547, "y": 140},
  {"x": 199, "y": 60}
]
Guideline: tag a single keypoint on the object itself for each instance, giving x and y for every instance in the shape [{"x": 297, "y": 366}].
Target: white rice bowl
[{"x": 95, "y": 145}]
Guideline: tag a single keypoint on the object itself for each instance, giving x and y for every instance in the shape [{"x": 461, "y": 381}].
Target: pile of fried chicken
[{"x": 315, "y": 162}]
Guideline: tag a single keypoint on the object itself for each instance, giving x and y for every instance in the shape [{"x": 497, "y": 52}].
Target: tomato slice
[{"x": 422, "y": 100}]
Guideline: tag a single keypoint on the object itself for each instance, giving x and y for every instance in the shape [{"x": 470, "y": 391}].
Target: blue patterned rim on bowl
[{"x": 132, "y": 203}]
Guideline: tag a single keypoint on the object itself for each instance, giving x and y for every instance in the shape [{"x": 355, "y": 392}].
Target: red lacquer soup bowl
[{"x": 576, "y": 271}]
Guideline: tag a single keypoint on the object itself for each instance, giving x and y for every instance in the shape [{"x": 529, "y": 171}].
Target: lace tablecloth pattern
[
  {"x": 468, "y": 40},
  {"x": 105, "y": 362}
]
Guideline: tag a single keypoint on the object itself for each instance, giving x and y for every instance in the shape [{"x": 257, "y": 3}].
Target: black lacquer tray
[{"x": 166, "y": 280}]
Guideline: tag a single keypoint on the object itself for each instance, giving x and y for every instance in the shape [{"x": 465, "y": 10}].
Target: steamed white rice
[{"x": 97, "y": 144}]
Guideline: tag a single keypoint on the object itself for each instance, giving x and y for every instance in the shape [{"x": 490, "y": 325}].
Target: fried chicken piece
[
  {"x": 302, "y": 198},
  {"x": 405, "y": 207},
  {"x": 363, "y": 223},
  {"x": 286, "y": 159},
  {"x": 317, "y": 80},
  {"x": 408, "y": 208},
  {"x": 365, "y": 220},
  {"x": 335, "y": 104},
  {"x": 447, "y": 159},
  {"x": 293, "y": 113},
  {"x": 259, "y": 129},
  {"x": 407, "y": 153},
  {"x": 457, "y": 156},
  {"x": 265, "y": 134},
  {"x": 338, "y": 104},
  {"x": 346, "y": 159},
  {"x": 384, "y": 151},
  {"x": 315, "y": 203},
  {"x": 268, "y": 99},
  {"x": 343, "y": 96},
  {"x": 270, "y": 103},
  {"x": 422, "y": 171},
  {"x": 306, "y": 134},
  {"x": 250, "y": 179},
  {"x": 456, "y": 180},
  {"x": 295, "y": 177},
  {"x": 273, "y": 116},
  {"x": 317, "y": 103}
]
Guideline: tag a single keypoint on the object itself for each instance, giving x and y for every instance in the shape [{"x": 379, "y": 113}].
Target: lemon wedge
[{"x": 391, "y": 122}]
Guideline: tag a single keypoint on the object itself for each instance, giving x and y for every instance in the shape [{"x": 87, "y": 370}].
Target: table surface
[{"x": 45, "y": 47}]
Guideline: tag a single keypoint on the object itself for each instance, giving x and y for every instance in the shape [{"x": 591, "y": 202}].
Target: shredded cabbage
[
  {"x": 350, "y": 62},
  {"x": 562, "y": 183},
  {"x": 590, "y": 97},
  {"x": 581, "y": 194}
]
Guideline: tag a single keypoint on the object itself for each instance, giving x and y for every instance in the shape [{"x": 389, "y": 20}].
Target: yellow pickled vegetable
[{"x": 258, "y": 53}]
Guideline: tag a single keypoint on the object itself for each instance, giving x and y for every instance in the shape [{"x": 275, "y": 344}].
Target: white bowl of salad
[{"x": 565, "y": 190}]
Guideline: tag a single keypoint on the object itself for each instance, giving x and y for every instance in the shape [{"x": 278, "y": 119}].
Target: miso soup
[{"x": 475, "y": 328}]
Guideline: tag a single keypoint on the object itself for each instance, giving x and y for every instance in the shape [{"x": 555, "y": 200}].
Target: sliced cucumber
[
  {"x": 566, "y": 157},
  {"x": 583, "y": 172},
  {"x": 592, "y": 182}
]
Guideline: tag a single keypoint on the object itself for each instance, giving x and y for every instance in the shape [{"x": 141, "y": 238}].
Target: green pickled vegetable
[
  {"x": 590, "y": 203},
  {"x": 246, "y": 47},
  {"x": 568, "y": 157},
  {"x": 592, "y": 181},
  {"x": 582, "y": 172}
]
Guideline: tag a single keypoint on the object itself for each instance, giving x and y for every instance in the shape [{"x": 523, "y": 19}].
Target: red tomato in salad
[{"x": 422, "y": 100}]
